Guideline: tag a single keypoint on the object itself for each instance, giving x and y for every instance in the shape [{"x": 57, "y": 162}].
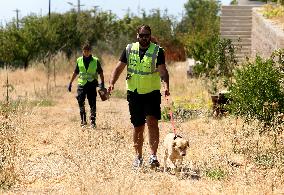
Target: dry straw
[{"x": 47, "y": 152}]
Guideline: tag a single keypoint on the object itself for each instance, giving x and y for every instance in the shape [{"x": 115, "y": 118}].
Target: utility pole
[
  {"x": 17, "y": 17},
  {"x": 49, "y": 8},
  {"x": 79, "y": 5},
  {"x": 138, "y": 8}
]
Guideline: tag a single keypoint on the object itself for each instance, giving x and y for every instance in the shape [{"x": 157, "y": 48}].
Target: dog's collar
[{"x": 177, "y": 136}]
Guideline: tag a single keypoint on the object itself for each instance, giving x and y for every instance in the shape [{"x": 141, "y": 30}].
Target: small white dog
[{"x": 175, "y": 150}]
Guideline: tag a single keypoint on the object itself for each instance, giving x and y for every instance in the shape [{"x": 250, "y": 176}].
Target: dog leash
[{"x": 170, "y": 113}]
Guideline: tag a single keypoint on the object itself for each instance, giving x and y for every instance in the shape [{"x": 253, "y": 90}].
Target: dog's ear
[{"x": 187, "y": 143}]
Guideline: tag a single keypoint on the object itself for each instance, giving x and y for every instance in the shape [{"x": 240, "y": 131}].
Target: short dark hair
[
  {"x": 87, "y": 46},
  {"x": 154, "y": 40},
  {"x": 147, "y": 27}
]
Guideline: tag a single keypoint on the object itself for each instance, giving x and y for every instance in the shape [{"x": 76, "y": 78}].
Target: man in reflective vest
[
  {"x": 145, "y": 63},
  {"x": 88, "y": 68}
]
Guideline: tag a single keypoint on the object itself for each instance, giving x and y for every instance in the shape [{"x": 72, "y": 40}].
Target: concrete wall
[{"x": 266, "y": 36}]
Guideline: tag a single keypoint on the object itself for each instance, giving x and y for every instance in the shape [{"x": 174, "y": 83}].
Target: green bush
[
  {"x": 219, "y": 59},
  {"x": 217, "y": 64},
  {"x": 234, "y": 2},
  {"x": 281, "y": 2},
  {"x": 256, "y": 92},
  {"x": 272, "y": 11}
]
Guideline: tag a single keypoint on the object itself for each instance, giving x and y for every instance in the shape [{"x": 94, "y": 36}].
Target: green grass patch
[
  {"x": 216, "y": 174},
  {"x": 42, "y": 103},
  {"x": 22, "y": 104}
]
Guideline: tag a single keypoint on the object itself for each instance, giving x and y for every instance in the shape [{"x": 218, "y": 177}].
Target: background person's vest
[
  {"x": 142, "y": 75},
  {"x": 87, "y": 75}
]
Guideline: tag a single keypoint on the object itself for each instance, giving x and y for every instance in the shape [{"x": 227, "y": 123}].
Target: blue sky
[{"x": 26, "y": 7}]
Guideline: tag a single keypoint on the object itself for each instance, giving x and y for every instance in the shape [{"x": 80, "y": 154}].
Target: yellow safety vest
[
  {"x": 142, "y": 75},
  {"x": 87, "y": 75}
]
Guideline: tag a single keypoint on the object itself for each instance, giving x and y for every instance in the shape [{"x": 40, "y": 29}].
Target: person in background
[
  {"x": 88, "y": 68},
  {"x": 145, "y": 62}
]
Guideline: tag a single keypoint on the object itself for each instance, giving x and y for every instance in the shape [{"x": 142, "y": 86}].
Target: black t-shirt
[
  {"x": 160, "y": 57},
  {"x": 87, "y": 61}
]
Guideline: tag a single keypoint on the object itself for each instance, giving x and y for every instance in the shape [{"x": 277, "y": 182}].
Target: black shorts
[{"x": 142, "y": 105}]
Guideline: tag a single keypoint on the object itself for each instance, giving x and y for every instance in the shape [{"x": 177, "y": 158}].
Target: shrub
[
  {"x": 180, "y": 111},
  {"x": 218, "y": 60},
  {"x": 270, "y": 11},
  {"x": 256, "y": 92},
  {"x": 217, "y": 63},
  {"x": 234, "y": 2}
]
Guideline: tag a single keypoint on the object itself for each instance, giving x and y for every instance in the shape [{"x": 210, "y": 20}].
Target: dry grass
[
  {"x": 275, "y": 13},
  {"x": 53, "y": 155}
]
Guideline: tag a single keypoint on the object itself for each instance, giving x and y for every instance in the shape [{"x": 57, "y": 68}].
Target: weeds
[
  {"x": 15, "y": 105},
  {"x": 9, "y": 115},
  {"x": 59, "y": 157},
  {"x": 266, "y": 160},
  {"x": 8, "y": 143},
  {"x": 182, "y": 111},
  {"x": 216, "y": 174},
  {"x": 42, "y": 103}
]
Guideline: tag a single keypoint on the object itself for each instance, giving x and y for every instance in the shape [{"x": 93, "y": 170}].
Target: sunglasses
[{"x": 144, "y": 35}]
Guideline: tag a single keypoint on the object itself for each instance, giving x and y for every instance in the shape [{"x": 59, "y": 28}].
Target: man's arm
[
  {"x": 115, "y": 75},
  {"x": 101, "y": 73},
  {"x": 71, "y": 81},
  {"x": 102, "y": 79},
  {"x": 75, "y": 73},
  {"x": 73, "y": 77},
  {"x": 165, "y": 77}
]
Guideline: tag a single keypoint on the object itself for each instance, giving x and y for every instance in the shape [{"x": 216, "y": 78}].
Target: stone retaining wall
[{"x": 266, "y": 36}]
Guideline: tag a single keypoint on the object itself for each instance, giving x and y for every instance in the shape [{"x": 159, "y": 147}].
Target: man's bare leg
[
  {"x": 153, "y": 128},
  {"x": 138, "y": 139}
]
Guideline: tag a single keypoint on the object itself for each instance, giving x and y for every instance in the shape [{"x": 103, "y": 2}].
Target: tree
[
  {"x": 40, "y": 37},
  {"x": 29, "y": 42},
  {"x": 199, "y": 26}
]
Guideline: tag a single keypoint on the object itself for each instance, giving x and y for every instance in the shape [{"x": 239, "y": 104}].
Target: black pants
[{"x": 89, "y": 90}]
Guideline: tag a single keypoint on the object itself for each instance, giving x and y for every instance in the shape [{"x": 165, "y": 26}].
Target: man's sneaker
[
  {"x": 83, "y": 123},
  {"x": 93, "y": 126},
  {"x": 138, "y": 161},
  {"x": 153, "y": 161}
]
